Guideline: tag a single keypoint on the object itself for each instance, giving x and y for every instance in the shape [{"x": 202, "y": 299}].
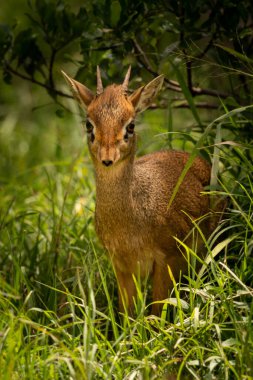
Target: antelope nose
[{"x": 107, "y": 162}]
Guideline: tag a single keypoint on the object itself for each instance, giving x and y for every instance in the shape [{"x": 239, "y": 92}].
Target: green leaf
[
  {"x": 115, "y": 12},
  {"x": 5, "y": 40},
  {"x": 60, "y": 113},
  {"x": 216, "y": 159},
  {"x": 235, "y": 53},
  {"x": 187, "y": 93},
  {"x": 27, "y": 51},
  {"x": 7, "y": 77}
]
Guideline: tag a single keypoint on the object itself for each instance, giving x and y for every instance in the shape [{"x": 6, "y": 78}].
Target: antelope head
[{"x": 111, "y": 113}]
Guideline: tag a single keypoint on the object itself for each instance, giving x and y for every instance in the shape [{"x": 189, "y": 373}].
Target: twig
[
  {"x": 208, "y": 46},
  {"x": 184, "y": 104},
  {"x": 171, "y": 84},
  {"x": 210, "y": 92},
  {"x": 189, "y": 74},
  {"x": 51, "y": 65},
  {"x": 204, "y": 105},
  {"x": 145, "y": 58}
]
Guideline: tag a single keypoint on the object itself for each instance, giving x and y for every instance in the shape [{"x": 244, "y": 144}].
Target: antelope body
[{"x": 132, "y": 216}]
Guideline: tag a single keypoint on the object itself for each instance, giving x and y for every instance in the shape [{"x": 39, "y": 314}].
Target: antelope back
[{"x": 110, "y": 116}]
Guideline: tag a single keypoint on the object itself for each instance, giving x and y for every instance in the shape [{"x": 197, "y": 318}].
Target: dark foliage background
[{"x": 210, "y": 41}]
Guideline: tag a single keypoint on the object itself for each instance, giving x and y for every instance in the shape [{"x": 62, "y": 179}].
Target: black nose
[{"x": 107, "y": 162}]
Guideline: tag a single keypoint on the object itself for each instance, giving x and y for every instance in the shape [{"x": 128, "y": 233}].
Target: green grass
[{"x": 58, "y": 298}]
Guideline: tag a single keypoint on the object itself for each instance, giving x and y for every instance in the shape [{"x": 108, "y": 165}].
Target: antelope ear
[
  {"x": 81, "y": 93},
  {"x": 143, "y": 97}
]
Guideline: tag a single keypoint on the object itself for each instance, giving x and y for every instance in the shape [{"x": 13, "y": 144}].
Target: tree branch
[
  {"x": 208, "y": 46},
  {"x": 31, "y": 79},
  {"x": 204, "y": 105},
  {"x": 172, "y": 84}
]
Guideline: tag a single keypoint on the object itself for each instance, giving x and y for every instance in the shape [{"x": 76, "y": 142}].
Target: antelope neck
[{"x": 114, "y": 183}]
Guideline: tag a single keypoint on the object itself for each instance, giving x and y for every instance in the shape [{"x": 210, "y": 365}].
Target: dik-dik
[{"x": 132, "y": 217}]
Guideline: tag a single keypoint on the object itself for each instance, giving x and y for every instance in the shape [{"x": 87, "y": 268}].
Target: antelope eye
[
  {"x": 89, "y": 126},
  {"x": 130, "y": 128}
]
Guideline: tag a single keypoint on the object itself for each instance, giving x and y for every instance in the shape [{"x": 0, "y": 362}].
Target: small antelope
[{"x": 132, "y": 216}]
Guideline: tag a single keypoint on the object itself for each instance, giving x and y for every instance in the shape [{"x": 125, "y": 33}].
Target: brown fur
[{"x": 132, "y": 216}]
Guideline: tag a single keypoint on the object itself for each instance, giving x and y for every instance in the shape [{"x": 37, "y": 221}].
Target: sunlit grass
[
  {"x": 59, "y": 313},
  {"x": 58, "y": 298}
]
